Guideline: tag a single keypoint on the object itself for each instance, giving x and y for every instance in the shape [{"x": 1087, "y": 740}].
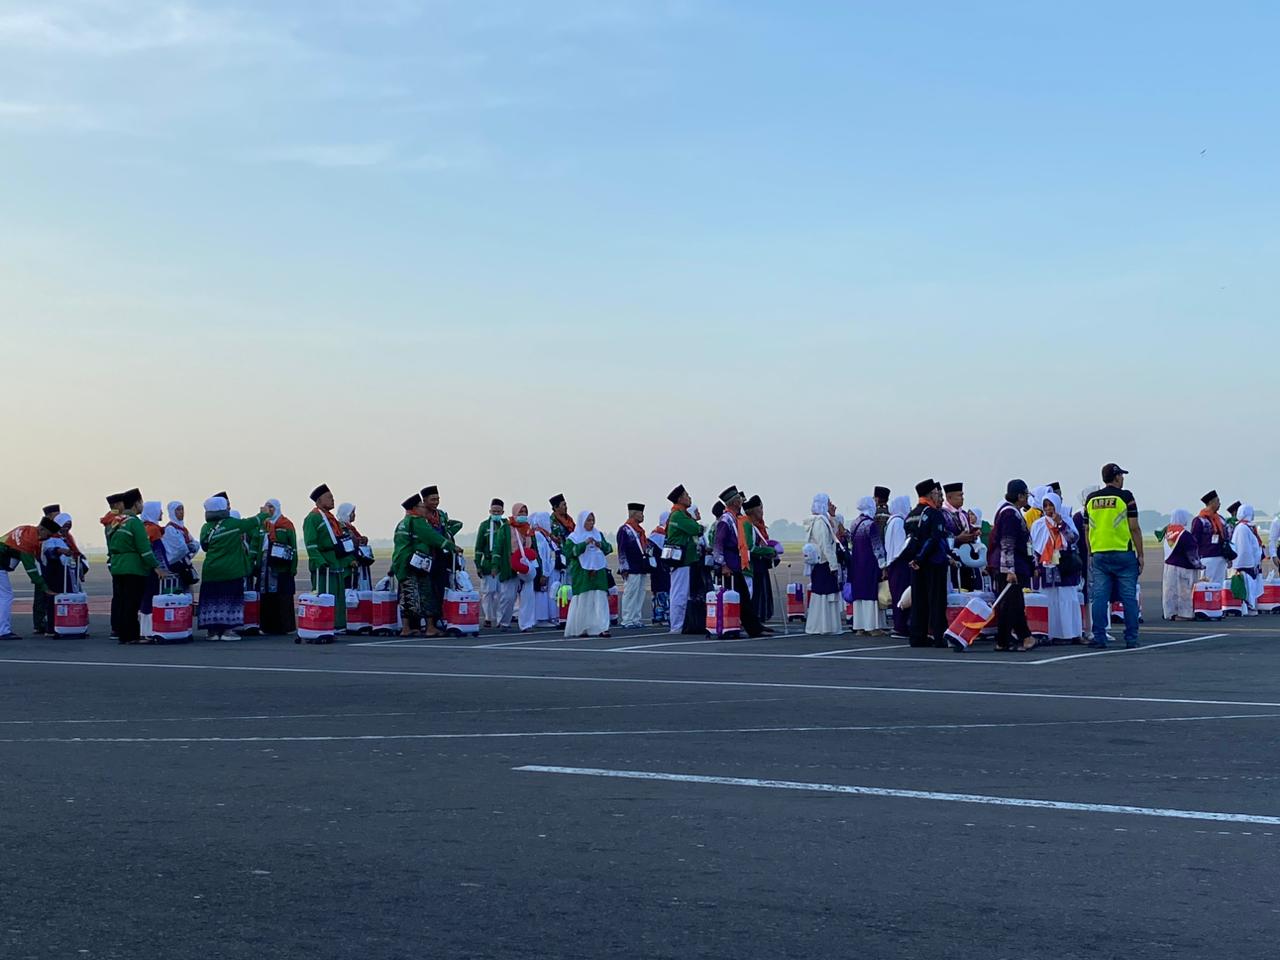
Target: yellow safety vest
[{"x": 1108, "y": 518}]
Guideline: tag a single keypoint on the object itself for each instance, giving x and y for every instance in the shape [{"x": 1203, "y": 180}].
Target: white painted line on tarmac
[
  {"x": 1145, "y": 646},
  {"x": 832, "y": 653},
  {"x": 655, "y": 681},
  {"x": 1012, "y": 660},
  {"x": 262, "y": 716},
  {"x": 909, "y": 794},
  {"x": 656, "y": 732},
  {"x": 678, "y": 643}
]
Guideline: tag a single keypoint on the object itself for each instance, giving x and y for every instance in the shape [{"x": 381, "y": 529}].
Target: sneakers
[{"x": 1095, "y": 645}]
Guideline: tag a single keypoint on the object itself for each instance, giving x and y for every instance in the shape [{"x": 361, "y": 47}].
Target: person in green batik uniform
[
  {"x": 413, "y": 580},
  {"x": 130, "y": 559},
  {"x": 21, "y": 545},
  {"x": 586, "y": 550},
  {"x": 329, "y": 553},
  {"x": 683, "y": 535},
  {"x": 437, "y": 532},
  {"x": 488, "y": 548},
  {"x": 226, "y": 564}
]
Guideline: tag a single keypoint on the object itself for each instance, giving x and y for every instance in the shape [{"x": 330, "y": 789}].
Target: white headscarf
[
  {"x": 151, "y": 511},
  {"x": 1036, "y": 498},
  {"x": 867, "y": 507},
  {"x": 216, "y": 505},
  {"x": 62, "y": 519},
  {"x": 1245, "y": 513},
  {"x": 172, "y": 509},
  {"x": 279, "y": 510},
  {"x": 895, "y": 531},
  {"x": 590, "y": 559},
  {"x": 821, "y": 502},
  {"x": 234, "y": 514},
  {"x": 1180, "y": 518},
  {"x": 345, "y": 512}
]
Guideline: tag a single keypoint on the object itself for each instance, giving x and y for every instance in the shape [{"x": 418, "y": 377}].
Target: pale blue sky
[{"x": 562, "y": 245}]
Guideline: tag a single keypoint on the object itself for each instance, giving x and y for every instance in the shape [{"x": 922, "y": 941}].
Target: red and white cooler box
[
  {"x": 1206, "y": 600},
  {"x": 71, "y": 614},
  {"x": 1269, "y": 599},
  {"x": 957, "y": 600},
  {"x": 359, "y": 611},
  {"x": 1232, "y": 606},
  {"x": 724, "y": 613},
  {"x": 172, "y": 617},
  {"x": 252, "y": 613},
  {"x": 795, "y": 601},
  {"x": 614, "y": 601},
  {"x": 969, "y": 620},
  {"x": 1117, "y": 608},
  {"x": 460, "y": 612},
  {"x": 316, "y": 613},
  {"x": 1037, "y": 613},
  {"x": 385, "y": 612}
]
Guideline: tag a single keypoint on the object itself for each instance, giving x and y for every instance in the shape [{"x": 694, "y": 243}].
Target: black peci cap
[
  {"x": 412, "y": 503},
  {"x": 318, "y": 492},
  {"x": 953, "y": 488},
  {"x": 678, "y": 492}
]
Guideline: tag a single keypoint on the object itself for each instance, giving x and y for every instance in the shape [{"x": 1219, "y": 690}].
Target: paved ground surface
[{"x": 375, "y": 800}]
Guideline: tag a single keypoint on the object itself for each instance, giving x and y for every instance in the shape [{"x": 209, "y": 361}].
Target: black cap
[
  {"x": 47, "y": 524},
  {"x": 114, "y": 498},
  {"x": 1233, "y": 508},
  {"x": 130, "y": 497},
  {"x": 1015, "y": 489},
  {"x": 1056, "y": 487},
  {"x": 676, "y": 493},
  {"x": 881, "y": 493},
  {"x": 752, "y": 502},
  {"x": 317, "y": 493},
  {"x": 1209, "y": 497},
  {"x": 495, "y": 502},
  {"x": 431, "y": 491},
  {"x": 1111, "y": 471},
  {"x": 926, "y": 487},
  {"x": 953, "y": 488},
  {"x": 412, "y": 502},
  {"x": 222, "y": 494},
  {"x": 638, "y": 507},
  {"x": 52, "y": 508},
  {"x": 730, "y": 493},
  {"x": 718, "y": 510},
  {"x": 554, "y": 501}
]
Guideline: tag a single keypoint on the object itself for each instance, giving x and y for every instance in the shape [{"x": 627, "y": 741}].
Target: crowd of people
[{"x": 890, "y": 571}]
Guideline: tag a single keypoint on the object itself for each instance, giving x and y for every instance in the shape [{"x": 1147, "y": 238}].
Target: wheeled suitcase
[
  {"x": 71, "y": 607},
  {"x": 460, "y": 610},
  {"x": 317, "y": 613},
  {"x": 724, "y": 613},
  {"x": 252, "y": 625},
  {"x": 172, "y": 614}
]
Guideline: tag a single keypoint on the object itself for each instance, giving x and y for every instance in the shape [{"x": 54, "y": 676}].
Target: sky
[{"x": 518, "y": 247}]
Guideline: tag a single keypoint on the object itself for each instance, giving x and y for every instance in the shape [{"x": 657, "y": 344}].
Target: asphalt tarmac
[{"x": 641, "y": 796}]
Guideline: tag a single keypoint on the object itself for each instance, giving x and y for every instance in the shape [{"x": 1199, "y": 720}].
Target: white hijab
[
  {"x": 867, "y": 507},
  {"x": 151, "y": 511},
  {"x": 172, "y": 509},
  {"x": 590, "y": 559},
  {"x": 895, "y": 533},
  {"x": 345, "y": 512},
  {"x": 279, "y": 511}
]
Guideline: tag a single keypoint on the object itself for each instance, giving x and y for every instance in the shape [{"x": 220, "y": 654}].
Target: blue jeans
[{"x": 1114, "y": 571}]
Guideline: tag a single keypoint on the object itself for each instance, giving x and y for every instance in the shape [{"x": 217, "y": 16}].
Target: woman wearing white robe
[
  {"x": 1053, "y": 535},
  {"x": 1247, "y": 543},
  {"x": 544, "y": 602},
  {"x": 899, "y": 572},
  {"x": 824, "y": 615}
]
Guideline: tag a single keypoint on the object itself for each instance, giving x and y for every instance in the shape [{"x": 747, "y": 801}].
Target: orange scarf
[
  {"x": 1252, "y": 529},
  {"x": 743, "y": 553},
  {"x": 284, "y": 523},
  {"x": 1055, "y": 543},
  {"x": 761, "y": 529},
  {"x": 566, "y": 521},
  {"x": 335, "y": 531},
  {"x": 924, "y": 502},
  {"x": 1173, "y": 533},
  {"x": 1219, "y": 527},
  {"x": 111, "y": 519},
  {"x": 644, "y": 541},
  {"x": 71, "y": 542},
  {"x": 154, "y": 530}
]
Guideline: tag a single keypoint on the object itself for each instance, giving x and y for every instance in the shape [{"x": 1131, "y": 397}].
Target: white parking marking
[
  {"x": 1145, "y": 646},
  {"x": 832, "y": 653},
  {"x": 909, "y": 794}
]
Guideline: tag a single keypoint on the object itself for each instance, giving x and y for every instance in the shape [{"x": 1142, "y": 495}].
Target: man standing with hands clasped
[{"x": 1116, "y": 556}]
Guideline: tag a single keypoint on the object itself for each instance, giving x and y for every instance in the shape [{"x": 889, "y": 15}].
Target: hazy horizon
[{"x": 518, "y": 248}]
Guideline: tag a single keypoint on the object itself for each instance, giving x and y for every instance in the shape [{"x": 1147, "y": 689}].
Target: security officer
[{"x": 1116, "y": 557}]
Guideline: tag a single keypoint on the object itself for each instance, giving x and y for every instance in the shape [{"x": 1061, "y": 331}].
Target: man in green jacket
[
  {"x": 329, "y": 552},
  {"x": 683, "y": 534},
  {"x": 488, "y": 547},
  {"x": 130, "y": 559},
  {"x": 408, "y": 557}
]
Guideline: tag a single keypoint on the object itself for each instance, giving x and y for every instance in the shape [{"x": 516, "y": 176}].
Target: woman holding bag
[{"x": 586, "y": 549}]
